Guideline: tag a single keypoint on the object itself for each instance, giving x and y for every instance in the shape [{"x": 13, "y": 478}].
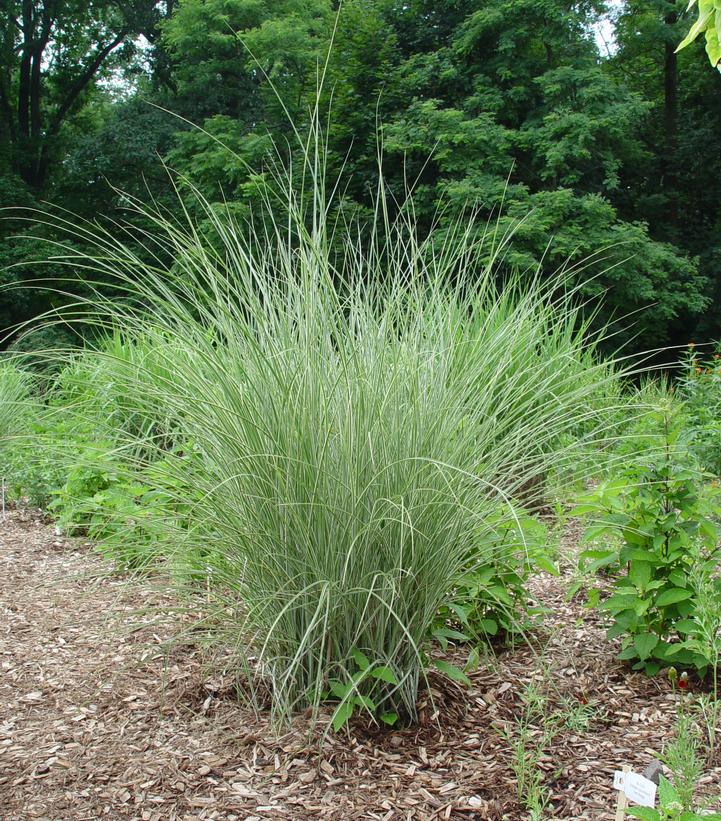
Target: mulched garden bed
[{"x": 97, "y": 719}]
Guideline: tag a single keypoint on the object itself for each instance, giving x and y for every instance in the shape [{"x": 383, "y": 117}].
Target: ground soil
[{"x": 99, "y": 720}]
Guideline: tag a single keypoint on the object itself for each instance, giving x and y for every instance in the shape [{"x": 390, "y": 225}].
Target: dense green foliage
[
  {"x": 668, "y": 522},
  {"x": 700, "y": 388},
  {"x": 325, "y": 374},
  {"x": 507, "y": 108}
]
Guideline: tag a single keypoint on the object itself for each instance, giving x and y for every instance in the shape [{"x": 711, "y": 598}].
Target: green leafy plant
[
  {"x": 681, "y": 756},
  {"x": 491, "y": 599},
  {"x": 144, "y": 517},
  {"x": 382, "y": 681},
  {"x": 677, "y": 795},
  {"x": 94, "y": 472},
  {"x": 700, "y": 389},
  {"x": 666, "y": 516},
  {"x": 534, "y": 728},
  {"x": 37, "y": 464}
]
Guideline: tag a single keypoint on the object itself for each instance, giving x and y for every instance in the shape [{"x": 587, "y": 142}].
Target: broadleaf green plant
[
  {"x": 491, "y": 600},
  {"x": 665, "y": 512}
]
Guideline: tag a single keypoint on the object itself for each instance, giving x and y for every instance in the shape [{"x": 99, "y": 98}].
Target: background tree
[
  {"x": 53, "y": 52},
  {"x": 58, "y": 60},
  {"x": 506, "y": 106}
]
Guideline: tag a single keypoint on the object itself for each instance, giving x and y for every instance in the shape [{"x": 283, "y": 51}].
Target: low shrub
[
  {"x": 491, "y": 600},
  {"x": 700, "y": 388},
  {"x": 666, "y": 512}
]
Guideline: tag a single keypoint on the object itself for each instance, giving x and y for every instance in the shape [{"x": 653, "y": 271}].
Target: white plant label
[{"x": 636, "y": 788}]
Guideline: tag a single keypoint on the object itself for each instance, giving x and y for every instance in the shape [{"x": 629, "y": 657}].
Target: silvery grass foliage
[
  {"x": 15, "y": 396},
  {"x": 358, "y": 416}
]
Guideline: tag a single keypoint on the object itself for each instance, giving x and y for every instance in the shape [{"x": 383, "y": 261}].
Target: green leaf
[
  {"x": 389, "y": 718},
  {"x": 453, "y": 673},
  {"x": 460, "y": 611},
  {"x": 342, "y": 714},
  {"x": 545, "y": 563},
  {"x": 644, "y": 813},
  {"x": 365, "y": 701},
  {"x": 449, "y": 633},
  {"x": 489, "y": 626},
  {"x": 675, "y": 594},
  {"x": 644, "y": 644},
  {"x": 667, "y": 792},
  {"x": 640, "y": 574},
  {"x": 678, "y": 577},
  {"x": 713, "y": 46},
  {"x": 339, "y": 689},
  {"x": 360, "y": 659},
  {"x": 619, "y": 602},
  {"x": 594, "y": 597},
  {"x": 583, "y": 509},
  {"x": 628, "y": 653},
  {"x": 642, "y": 605},
  {"x": 384, "y": 674},
  {"x": 661, "y": 651},
  {"x": 696, "y": 29},
  {"x": 686, "y": 626},
  {"x": 500, "y": 594},
  {"x": 628, "y": 554}
]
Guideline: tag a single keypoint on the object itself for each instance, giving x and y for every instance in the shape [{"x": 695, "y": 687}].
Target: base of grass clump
[{"x": 73, "y": 712}]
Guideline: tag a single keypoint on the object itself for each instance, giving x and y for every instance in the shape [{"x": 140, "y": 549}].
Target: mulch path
[{"x": 98, "y": 720}]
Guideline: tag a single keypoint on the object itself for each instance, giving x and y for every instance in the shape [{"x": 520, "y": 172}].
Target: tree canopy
[{"x": 512, "y": 108}]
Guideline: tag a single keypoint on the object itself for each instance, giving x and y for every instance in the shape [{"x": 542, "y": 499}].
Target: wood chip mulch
[{"x": 97, "y": 720}]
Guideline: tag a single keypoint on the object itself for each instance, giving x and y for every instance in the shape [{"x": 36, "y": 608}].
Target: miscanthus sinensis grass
[{"x": 361, "y": 401}]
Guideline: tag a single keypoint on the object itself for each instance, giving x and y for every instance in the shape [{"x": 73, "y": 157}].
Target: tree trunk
[{"x": 670, "y": 120}]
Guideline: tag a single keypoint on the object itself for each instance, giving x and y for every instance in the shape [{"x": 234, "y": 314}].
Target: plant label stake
[
  {"x": 632, "y": 787},
  {"x": 618, "y": 781}
]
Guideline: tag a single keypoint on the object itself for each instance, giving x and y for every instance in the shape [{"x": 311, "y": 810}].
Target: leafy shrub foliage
[
  {"x": 491, "y": 599},
  {"x": 700, "y": 388},
  {"x": 666, "y": 513}
]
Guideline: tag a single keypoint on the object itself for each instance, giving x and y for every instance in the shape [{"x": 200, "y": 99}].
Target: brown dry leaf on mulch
[{"x": 98, "y": 720}]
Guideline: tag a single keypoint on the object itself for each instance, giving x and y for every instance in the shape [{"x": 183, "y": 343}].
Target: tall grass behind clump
[
  {"x": 15, "y": 391},
  {"x": 16, "y": 402},
  {"x": 88, "y": 428},
  {"x": 359, "y": 420},
  {"x": 108, "y": 387},
  {"x": 19, "y": 408}
]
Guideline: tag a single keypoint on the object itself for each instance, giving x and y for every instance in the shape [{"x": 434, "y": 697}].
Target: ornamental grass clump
[{"x": 360, "y": 402}]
